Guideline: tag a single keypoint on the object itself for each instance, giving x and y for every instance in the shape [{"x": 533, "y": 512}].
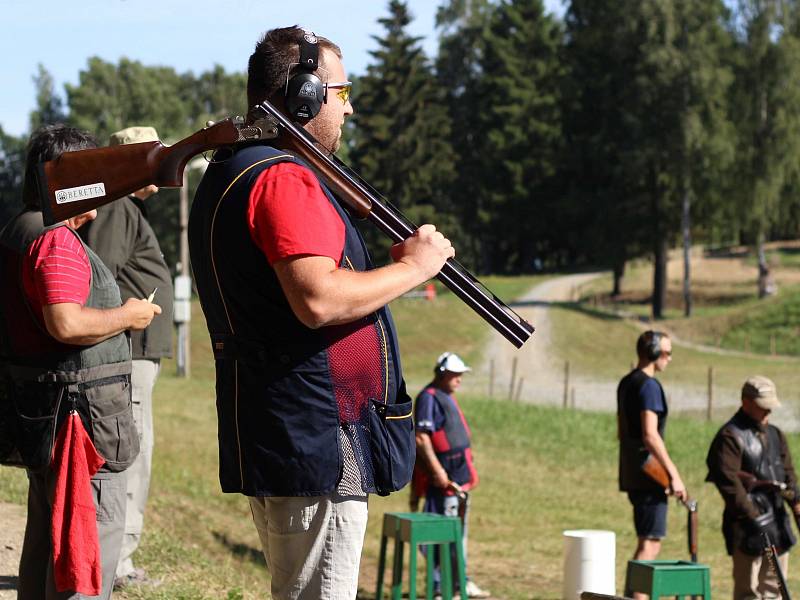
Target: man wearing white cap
[
  {"x": 122, "y": 237},
  {"x": 750, "y": 464},
  {"x": 444, "y": 470}
]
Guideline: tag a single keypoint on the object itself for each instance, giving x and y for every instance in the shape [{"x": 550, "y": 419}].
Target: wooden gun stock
[
  {"x": 655, "y": 471},
  {"x": 77, "y": 182}
]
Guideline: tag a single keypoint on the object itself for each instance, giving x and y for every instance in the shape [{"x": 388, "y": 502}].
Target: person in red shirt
[
  {"x": 309, "y": 382},
  {"x": 64, "y": 351}
]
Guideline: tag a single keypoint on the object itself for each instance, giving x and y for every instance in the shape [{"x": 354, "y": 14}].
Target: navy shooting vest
[
  {"x": 451, "y": 443},
  {"x": 283, "y": 389}
]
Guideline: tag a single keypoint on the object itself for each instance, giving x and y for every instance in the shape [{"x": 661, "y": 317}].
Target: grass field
[{"x": 543, "y": 470}]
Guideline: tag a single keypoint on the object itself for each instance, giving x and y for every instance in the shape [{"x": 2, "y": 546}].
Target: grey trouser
[
  {"x": 36, "y": 580},
  {"x": 754, "y": 579},
  {"x": 312, "y": 544},
  {"x": 440, "y": 504},
  {"x": 143, "y": 378}
]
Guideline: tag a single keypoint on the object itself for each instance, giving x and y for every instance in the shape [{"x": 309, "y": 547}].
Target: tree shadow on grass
[
  {"x": 575, "y": 306},
  {"x": 253, "y": 555}
]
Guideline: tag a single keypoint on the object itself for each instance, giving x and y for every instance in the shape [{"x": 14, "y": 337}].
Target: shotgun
[
  {"x": 655, "y": 471},
  {"x": 78, "y": 182},
  {"x": 771, "y": 554},
  {"x": 750, "y": 483}
]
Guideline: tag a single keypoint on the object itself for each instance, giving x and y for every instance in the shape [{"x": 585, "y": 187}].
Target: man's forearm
[
  {"x": 322, "y": 295},
  {"x": 84, "y": 326},
  {"x": 429, "y": 460}
]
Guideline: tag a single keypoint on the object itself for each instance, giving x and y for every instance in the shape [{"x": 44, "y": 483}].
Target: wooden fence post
[
  {"x": 491, "y": 379},
  {"x": 513, "y": 378},
  {"x": 710, "y": 393},
  {"x": 566, "y": 383}
]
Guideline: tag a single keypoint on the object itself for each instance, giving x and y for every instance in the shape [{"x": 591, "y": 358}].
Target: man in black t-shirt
[{"x": 641, "y": 417}]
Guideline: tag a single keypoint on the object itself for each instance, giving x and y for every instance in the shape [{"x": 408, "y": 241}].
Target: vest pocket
[
  {"x": 36, "y": 409},
  {"x": 9, "y": 455},
  {"x": 113, "y": 429},
  {"x": 392, "y": 445}
]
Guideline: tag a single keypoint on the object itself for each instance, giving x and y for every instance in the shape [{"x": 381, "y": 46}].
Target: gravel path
[
  {"x": 542, "y": 375},
  {"x": 12, "y": 518}
]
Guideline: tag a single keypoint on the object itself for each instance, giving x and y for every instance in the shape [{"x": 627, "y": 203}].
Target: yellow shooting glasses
[{"x": 343, "y": 89}]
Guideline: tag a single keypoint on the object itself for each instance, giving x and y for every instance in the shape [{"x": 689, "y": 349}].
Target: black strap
[
  {"x": 35, "y": 374},
  {"x": 309, "y": 52}
]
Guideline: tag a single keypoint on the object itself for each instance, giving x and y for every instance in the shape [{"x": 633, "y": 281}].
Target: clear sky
[{"x": 184, "y": 34}]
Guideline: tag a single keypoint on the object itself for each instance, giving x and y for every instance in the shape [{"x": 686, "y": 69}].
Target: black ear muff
[
  {"x": 305, "y": 92},
  {"x": 654, "y": 347}
]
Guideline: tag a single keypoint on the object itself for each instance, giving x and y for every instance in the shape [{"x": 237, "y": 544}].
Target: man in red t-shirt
[
  {"x": 63, "y": 350},
  {"x": 306, "y": 350}
]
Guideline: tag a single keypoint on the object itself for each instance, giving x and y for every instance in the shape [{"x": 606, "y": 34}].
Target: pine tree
[
  {"x": 110, "y": 97},
  {"x": 648, "y": 120},
  {"x": 463, "y": 26},
  {"x": 12, "y": 167},
  {"x": 49, "y": 105},
  {"x": 519, "y": 134},
  {"x": 400, "y": 142},
  {"x": 766, "y": 111},
  {"x": 597, "y": 48}
]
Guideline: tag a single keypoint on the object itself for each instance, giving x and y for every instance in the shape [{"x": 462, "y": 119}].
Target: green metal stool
[
  {"x": 668, "y": 578},
  {"x": 418, "y": 529}
]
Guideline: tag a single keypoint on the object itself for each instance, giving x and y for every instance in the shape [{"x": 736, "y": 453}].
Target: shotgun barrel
[{"x": 771, "y": 554}]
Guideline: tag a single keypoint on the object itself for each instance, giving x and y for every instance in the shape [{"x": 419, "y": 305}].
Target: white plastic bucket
[{"x": 589, "y": 562}]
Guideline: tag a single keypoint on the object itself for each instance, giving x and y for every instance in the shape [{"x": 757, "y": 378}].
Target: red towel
[{"x": 76, "y": 546}]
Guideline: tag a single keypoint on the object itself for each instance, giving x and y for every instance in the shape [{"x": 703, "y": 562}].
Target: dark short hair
[
  {"x": 275, "y": 53},
  {"x": 47, "y": 143},
  {"x": 644, "y": 345}
]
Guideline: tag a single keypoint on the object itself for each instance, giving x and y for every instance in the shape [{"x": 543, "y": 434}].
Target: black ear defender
[
  {"x": 305, "y": 92},
  {"x": 654, "y": 347}
]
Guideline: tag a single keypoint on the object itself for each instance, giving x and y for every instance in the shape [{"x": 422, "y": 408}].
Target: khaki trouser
[
  {"x": 754, "y": 579},
  {"x": 312, "y": 544},
  {"x": 36, "y": 580}
]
